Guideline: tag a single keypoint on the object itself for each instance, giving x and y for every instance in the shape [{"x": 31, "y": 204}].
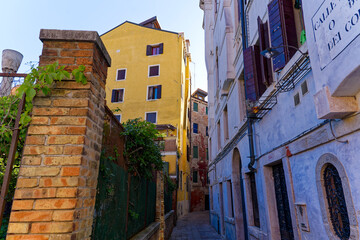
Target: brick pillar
[
  {"x": 56, "y": 189},
  {"x": 160, "y": 207}
]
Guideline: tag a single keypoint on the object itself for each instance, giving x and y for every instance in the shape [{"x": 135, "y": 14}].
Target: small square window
[
  {"x": 117, "y": 95},
  {"x": 304, "y": 88},
  {"x": 154, "y": 92},
  {"x": 118, "y": 117},
  {"x": 195, "y": 151},
  {"x": 120, "y": 74},
  {"x": 196, "y": 107},
  {"x": 154, "y": 71},
  {"x": 297, "y": 99},
  {"x": 151, "y": 117},
  {"x": 195, "y": 128}
]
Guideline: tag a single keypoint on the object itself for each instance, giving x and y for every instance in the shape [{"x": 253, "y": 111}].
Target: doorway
[
  {"x": 282, "y": 203},
  {"x": 207, "y": 199}
]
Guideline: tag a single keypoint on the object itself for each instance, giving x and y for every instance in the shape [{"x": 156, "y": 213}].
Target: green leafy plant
[
  {"x": 133, "y": 214},
  {"x": 170, "y": 186},
  {"x": 142, "y": 153}
]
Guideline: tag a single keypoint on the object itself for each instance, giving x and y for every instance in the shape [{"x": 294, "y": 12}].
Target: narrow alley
[{"x": 194, "y": 226}]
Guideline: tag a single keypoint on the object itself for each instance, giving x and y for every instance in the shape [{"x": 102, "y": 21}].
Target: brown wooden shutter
[
  {"x": 266, "y": 68},
  {"x": 148, "y": 50},
  {"x": 252, "y": 73},
  {"x": 161, "y": 48},
  {"x": 282, "y": 31}
]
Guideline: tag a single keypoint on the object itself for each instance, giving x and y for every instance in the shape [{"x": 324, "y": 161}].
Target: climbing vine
[{"x": 141, "y": 151}]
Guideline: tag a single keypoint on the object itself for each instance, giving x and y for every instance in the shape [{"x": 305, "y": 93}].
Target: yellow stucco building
[{"x": 150, "y": 78}]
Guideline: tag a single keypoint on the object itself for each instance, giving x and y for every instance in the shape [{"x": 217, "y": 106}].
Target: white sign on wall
[{"x": 336, "y": 24}]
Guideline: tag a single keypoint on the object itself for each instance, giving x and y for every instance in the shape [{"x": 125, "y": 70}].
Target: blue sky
[{"x": 21, "y": 21}]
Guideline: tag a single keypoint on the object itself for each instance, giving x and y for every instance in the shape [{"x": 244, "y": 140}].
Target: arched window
[
  {"x": 336, "y": 202},
  {"x": 337, "y": 208}
]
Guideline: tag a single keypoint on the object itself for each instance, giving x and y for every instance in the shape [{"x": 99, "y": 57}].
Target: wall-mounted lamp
[{"x": 271, "y": 52}]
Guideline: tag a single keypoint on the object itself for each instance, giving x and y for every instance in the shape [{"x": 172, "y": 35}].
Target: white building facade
[{"x": 284, "y": 134}]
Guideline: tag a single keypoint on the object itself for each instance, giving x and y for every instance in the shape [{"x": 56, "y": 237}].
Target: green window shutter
[
  {"x": 195, "y": 176},
  {"x": 206, "y": 110},
  {"x": 195, "y": 106},
  {"x": 195, "y": 151}
]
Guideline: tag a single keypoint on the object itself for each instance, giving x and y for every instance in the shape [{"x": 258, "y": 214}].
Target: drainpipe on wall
[{"x": 250, "y": 130}]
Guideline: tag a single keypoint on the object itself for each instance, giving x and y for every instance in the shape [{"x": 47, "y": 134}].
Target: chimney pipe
[{"x": 11, "y": 61}]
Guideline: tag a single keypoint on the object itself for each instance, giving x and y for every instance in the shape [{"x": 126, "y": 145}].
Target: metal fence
[{"x": 124, "y": 204}]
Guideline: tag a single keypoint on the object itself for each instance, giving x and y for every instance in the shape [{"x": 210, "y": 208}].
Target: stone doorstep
[{"x": 148, "y": 232}]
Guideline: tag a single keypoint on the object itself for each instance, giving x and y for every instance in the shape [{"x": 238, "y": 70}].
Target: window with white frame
[
  {"x": 154, "y": 70},
  {"x": 154, "y": 92},
  {"x": 117, "y": 95},
  {"x": 151, "y": 117},
  {"x": 121, "y": 74}
]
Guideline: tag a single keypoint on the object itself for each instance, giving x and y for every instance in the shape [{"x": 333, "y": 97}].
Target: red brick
[
  {"x": 39, "y": 101},
  {"x": 26, "y": 160},
  {"x": 73, "y": 150},
  {"x": 51, "y": 111},
  {"x": 68, "y": 160},
  {"x": 35, "y": 140},
  {"x": 22, "y": 204},
  {"x": 86, "y": 45},
  {"x": 27, "y": 237},
  {"x": 84, "y": 61},
  {"x": 78, "y": 111},
  {"x": 50, "y": 130},
  {"x": 59, "y": 182},
  {"x": 66, "y": 140},
  {"x": 50, "y": 52},
  {"x": 18, "y": 228},
  {"x": 66, "y": 192},
  {"x": 72, "y": 85},
  {"x": 68, "y": 102},
  {"x": 70, "y": 171},
  {"x": 76, "y": 53},
  {"x": 55, "y": 204},
  {"x": 28, "y": 193},
  {"x": 63, "y": 215},
  {"x": 53, "y": 227},
  {"x": 68, "y": 120},
  {"x": 31, "y": 216},
  {"x": 76, "y": 130},
  {"x": 26, "y": 182},
  {"x": 57, "y": 44},
  {"x": 49, "y": 150},
  {"x": 39, "y": 171},
  {"x": 40, "y": 120}
]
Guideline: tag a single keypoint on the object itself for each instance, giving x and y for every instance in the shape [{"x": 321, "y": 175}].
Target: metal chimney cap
[{"x": 11, "y": 60}]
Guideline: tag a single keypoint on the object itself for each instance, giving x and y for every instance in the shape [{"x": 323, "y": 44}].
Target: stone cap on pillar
[{"x": 75, "y": 36}]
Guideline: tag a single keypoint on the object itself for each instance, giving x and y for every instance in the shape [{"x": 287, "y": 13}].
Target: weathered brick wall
[
  {"x": 200, "y": 189},
  {"x": 56, "y": 188}
]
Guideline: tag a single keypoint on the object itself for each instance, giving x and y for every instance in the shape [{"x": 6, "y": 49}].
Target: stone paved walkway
[{"x": 194, "y": 226}]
